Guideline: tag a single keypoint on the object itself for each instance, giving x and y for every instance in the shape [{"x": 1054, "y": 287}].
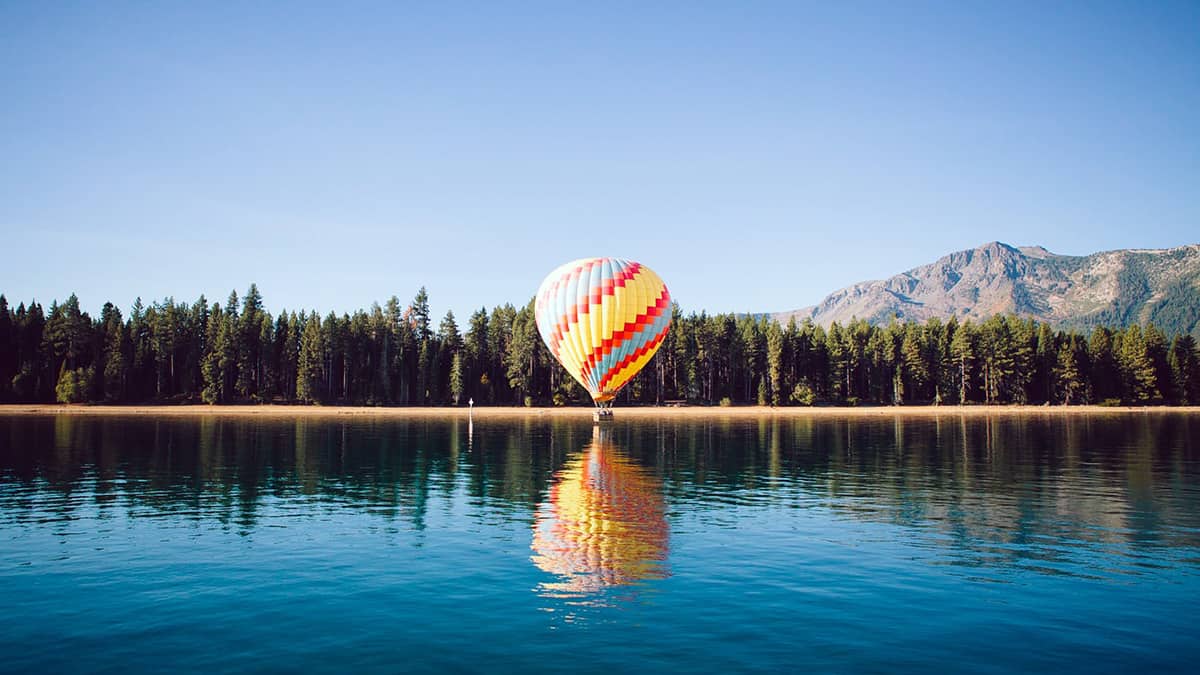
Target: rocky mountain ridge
[{"x": 1111, "y": 287}]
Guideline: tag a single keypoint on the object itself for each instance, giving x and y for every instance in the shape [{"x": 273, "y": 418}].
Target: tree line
[{"x": 237, "y": 352}]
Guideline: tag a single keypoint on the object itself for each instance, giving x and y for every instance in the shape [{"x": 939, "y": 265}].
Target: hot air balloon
[{"x": 603, "y": 318}]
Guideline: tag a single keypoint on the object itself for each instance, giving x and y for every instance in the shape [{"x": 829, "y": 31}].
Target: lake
[{"x": 986, "y": 544}]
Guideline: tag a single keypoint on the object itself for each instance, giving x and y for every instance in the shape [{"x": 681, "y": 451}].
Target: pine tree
[
  {"x": 912, "y": 353},
  {"x": 67, "y": 335},
  {"x": 456, "y": 378},
  {"x": 839, "y": 360},
  {"x": 1105, "y": 373},
  {"x": 213, "y": 376},
  {"x": 289, "y": 359},
  {"x": 400, "y": 349},
  {"x": 708, "y": 356},
  {"x": 500, "y": 326},
  {"x": 310, "y": 364},
  {"x": 227, "y": 350},
  {"x": 520, "y": 359},
  {"x": 449, "y": 345},
  {"x": 943, "y": 374},
  {"x": 265, "y": 359},
  {"x": 687, "y": 355},
  {"x": 879, "y": 366},
  {"x": 424, "y": 375},
  {"x": 817, "y": 369},
  {"x": 1157, "y": 351},
  {"x": 141, "y": 364},
  {"x": 1024, "y": 345},
  {"x": 419, "y": 312},
  {"x": 858, "y": 336},
  {"x": 892, "y": 361},
  {"x": 1047, "y": 355},
  {"x": 478, "y": 357},
  {"x": 333, "y": 344},
  {"x": 775, "y": 362},
  {"x": 247, "y": 347},
  {"x": 1137, "y": 367},
  {"x": 448, "y": 333},
  {"x": 962, "y": 346},
  {"x": 26, "y": 354},
  {"x": 115, "y": 346},
  {"x": 164, "y": 334},
  {"x": 282, "y": 357},
  {"x": 998, "y": 353},
  {"x": 1068, "y": 377},
  {"x": 32, "y": 381},
  {"x": 792, "y": 355},
  {"x": 197, "y": 347},
  {"x": 380, "y": 344},
  {"x": 226, "y": 347},
  {"x": 1185, "y": 370}
]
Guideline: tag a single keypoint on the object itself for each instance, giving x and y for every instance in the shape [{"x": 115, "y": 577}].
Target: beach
[{"x": 450, "y": 412}]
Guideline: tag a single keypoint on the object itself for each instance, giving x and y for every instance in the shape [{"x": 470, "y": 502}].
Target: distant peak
[
  {"x": 996, "y": 246},
  {"x": 1035, "y": 251}
]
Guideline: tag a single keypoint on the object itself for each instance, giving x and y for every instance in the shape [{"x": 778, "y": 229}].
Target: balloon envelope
[{"x": 603, "y": 318}]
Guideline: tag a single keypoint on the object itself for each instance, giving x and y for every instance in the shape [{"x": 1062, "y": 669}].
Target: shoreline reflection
[{"x": 981, "y": 491}]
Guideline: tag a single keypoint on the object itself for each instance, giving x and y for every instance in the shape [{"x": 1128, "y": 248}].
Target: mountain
[{"x": 1110, "y": 288}]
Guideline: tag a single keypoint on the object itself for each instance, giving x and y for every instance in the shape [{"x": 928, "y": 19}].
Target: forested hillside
[{"x": 236, "y": 352}]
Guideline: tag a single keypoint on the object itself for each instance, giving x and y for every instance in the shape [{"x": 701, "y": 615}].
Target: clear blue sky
[{"x": 757, "y": 155}]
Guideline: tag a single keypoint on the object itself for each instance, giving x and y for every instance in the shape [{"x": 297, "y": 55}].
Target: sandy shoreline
[{"x": 575, "y": 412}]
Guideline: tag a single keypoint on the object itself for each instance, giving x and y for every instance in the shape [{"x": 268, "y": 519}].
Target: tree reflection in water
[{"x": 602, "y": 526}]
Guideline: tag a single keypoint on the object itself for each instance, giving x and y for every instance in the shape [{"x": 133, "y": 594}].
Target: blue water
[{"x": 1010, "y": 544}]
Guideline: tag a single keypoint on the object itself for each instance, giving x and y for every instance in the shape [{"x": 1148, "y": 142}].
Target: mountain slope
[{"x": 1112, "y": 288}]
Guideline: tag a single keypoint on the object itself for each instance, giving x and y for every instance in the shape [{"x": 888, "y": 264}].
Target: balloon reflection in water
[{"x": 604, "y": 524}]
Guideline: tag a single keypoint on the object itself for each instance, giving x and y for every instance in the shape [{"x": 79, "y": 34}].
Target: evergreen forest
[{"x": 395, "y": 354}]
